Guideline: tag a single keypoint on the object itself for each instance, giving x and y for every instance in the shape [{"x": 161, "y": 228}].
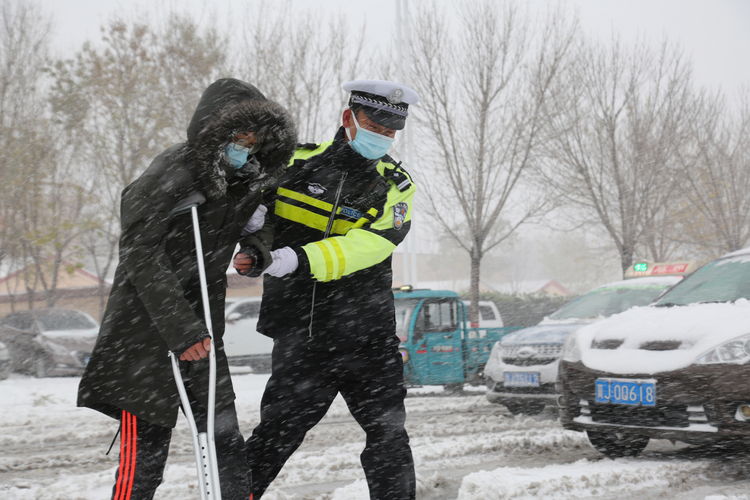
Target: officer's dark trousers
[
  {"x": 144, "y": 448},
  {"x": 303, "y": 385}
]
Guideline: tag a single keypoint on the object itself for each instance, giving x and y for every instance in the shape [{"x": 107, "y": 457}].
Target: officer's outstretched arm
[{"x": 363, "y": 247}]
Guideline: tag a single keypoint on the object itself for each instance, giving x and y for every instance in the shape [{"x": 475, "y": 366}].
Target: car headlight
[
  {"x": 572, "y": 348},
  {"x": 734, "y": 351}
]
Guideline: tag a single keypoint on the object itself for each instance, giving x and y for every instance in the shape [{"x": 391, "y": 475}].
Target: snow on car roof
[
  {"x": 700, "y": 327},
  {"x": 744, "y": 251},
  {"x": 648, "y": 280}
]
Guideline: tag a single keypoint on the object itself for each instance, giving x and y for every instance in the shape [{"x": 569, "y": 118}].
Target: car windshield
[
  {"x": 724, "y": 280},
  {"x": 404, "y": 311},
  {"x": 64, "y": 320},
  {"x": 608, "y": 301}
]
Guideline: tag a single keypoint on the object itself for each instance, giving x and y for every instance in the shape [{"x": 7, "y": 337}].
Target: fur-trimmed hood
[{"x": 229, "y": 106}]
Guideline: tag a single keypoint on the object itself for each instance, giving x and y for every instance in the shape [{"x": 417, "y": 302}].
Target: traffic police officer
[{"x": 338, "y": 213}]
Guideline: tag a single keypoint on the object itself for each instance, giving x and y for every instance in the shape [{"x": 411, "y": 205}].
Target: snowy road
[{"x": 464, "y": 448}]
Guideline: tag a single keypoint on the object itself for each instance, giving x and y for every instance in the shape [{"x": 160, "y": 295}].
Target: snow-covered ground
[{"x": 464, "y": 448}]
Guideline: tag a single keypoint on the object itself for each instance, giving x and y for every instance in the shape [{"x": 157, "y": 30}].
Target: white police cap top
[{"x": 395, "y": 93}]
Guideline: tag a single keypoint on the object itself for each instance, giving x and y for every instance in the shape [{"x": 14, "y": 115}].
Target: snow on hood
[
  {"x": 570, "y": 321},
  {"x": 90, "y": 333},
  {"x": 542, "y": 334},
  {"x": 700, "y": 327}
]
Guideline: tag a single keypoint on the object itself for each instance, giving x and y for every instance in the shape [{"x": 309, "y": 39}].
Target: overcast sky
[{"x": 715, "y": 33}]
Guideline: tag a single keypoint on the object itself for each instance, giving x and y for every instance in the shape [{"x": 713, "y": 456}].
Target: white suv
[{"x": 243, "y": 345}]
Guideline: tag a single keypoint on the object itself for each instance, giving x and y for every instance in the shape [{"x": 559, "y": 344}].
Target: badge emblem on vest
[
  {"x": 399, "y": 215},
  {"x": 316, "y": 188}
]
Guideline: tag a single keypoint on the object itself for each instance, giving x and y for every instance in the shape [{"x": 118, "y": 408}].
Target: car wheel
[
  {"x": 525, "y": 408},
  {"x": 41, "y": 367},
  {"x": 476, "y": 379},
  {"x": 617, "y": 444}
]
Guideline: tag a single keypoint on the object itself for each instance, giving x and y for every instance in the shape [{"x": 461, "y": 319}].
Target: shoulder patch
[
  {"x": 308, "y": 145},
  {"x": 399, "y": 215},
  {"x": 399, "y": 177}
]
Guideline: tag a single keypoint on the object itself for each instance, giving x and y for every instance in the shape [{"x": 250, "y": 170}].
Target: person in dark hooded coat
[{"x": 237, "y": 143}]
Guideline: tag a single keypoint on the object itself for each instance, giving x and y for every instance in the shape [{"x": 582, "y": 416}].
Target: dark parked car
[
  {"x": 678, "y": 369},
  {"x": 48, "y": 342}
]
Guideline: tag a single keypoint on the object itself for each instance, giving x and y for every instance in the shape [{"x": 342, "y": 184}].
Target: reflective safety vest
[{"x": 371, "y": 220}]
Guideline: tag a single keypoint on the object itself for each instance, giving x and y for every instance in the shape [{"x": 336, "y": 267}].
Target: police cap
[{"x": 385, "y": 103}]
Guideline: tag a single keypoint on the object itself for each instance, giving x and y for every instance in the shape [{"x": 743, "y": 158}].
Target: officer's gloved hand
[
  {"x": 256, "y": 221},
  {"x": 284, "y": 262}
]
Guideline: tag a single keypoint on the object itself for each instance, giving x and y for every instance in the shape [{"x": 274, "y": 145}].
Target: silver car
[
  {"x": 45, "y": 342},
  {"x": 5, "y": 366}
]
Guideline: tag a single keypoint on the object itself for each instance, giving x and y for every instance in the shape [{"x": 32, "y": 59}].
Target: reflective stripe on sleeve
[{"x": 333, "y": 259}]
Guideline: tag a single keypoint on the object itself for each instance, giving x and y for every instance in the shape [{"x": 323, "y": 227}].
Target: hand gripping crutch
[{"x": 203, "y": 443}]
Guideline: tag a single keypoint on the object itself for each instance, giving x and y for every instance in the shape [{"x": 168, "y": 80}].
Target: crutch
[{"x": 203, "y": 443}]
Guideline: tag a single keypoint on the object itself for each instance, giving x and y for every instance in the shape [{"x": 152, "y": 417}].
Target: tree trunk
[{"x": 476, "y": 260}]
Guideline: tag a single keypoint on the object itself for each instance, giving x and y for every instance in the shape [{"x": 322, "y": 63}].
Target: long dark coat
[{"x": 155, "y": 303}]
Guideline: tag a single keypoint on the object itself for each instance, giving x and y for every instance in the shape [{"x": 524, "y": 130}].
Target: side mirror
[{"x": 234, "y": 316}]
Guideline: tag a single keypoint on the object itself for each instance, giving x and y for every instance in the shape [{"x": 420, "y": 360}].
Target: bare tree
[
  {"x": 621, "y": 117},
  {"x": 484, "y": 85},
  {"x": 130, "y": 100},
  {"x": 717, "y": 169},
  {"x": 189, "y": 58},
  {"x": 301, "y": 66},
  {"x": 26, "y": 164}
]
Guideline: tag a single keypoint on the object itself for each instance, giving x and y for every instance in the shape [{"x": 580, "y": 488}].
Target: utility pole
[{"x": 403, "y": 42}]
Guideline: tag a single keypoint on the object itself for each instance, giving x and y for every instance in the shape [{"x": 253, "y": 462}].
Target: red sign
[{"x": 669, "y": 269}]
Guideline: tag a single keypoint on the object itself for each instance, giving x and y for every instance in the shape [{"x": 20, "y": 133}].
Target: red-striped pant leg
[{"x": 143, "y": 454}]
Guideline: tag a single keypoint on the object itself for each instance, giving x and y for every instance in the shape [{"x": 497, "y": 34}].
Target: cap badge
[{"x": 395, "y": 96}]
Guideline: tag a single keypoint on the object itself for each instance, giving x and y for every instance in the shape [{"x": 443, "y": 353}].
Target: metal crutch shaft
[{"x": 204, "y": 443}]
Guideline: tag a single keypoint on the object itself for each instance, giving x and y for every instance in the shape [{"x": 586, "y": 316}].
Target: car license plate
[
  {"x": 626, "y": 392},
  {"x": 521, "y": 379}
]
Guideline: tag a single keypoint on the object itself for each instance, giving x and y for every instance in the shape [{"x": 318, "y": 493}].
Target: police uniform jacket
[
  {"x": 351, "y": 268},
  {"x": 155, "y": 302}
]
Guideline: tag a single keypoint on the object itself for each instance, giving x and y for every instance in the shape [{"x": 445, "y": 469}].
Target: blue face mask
[
  {"x": 368, "y": 143},
  {"x": 238, "y": 157}
]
